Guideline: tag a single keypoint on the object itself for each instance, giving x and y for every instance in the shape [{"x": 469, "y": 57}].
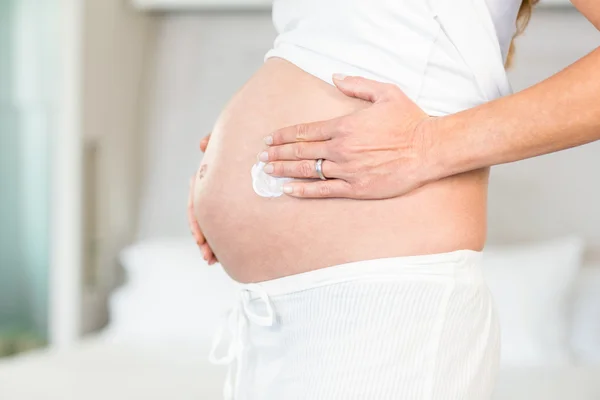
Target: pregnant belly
[{"x": 257, "y": 238}]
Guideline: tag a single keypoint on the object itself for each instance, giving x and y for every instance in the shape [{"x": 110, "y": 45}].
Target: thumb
[
  {"x": 204, "y": 143},
  {"x": 363, "y": 88}
]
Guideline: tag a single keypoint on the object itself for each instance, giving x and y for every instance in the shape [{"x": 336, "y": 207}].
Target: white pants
[{"x": 419, "y": 327}]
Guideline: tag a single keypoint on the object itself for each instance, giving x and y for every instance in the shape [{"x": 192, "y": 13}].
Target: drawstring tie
[{"x": 237, "y": 324}]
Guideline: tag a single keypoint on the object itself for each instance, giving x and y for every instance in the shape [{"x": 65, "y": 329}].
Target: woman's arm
[
  {"x": 405, "y": 149},
  {"x": 557, "y": 114},
  {"x": 590, "y": 9}
]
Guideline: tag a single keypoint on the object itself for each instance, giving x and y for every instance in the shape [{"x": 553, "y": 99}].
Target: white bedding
[{"x": 100, "y": 370}]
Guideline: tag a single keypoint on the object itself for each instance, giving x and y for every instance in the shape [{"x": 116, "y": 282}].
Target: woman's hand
[
  {"x": 207, "y": 252},
  {"x": 380, "y": 152}
]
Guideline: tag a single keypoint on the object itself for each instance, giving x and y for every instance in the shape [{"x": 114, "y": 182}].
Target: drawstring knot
[{"x": 237, "y": 324}]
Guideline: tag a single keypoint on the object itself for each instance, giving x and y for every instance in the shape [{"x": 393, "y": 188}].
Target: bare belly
[{"x": 258, "y": 238}]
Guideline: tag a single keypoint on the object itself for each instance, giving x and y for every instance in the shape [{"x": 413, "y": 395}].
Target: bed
[
  {"x": 99, "y": 370},
  {"x": 543, "y": 264}
]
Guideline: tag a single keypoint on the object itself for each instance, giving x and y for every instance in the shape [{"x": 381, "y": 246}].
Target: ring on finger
[{"x": 319, "y": 169}]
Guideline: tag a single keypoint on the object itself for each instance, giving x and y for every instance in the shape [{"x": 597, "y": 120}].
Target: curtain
[{"x": 28, "y": 43}]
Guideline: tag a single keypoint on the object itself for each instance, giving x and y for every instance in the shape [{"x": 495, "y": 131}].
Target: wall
[
  {"x": 116, "y": 45},
  {"x": 559, "y": 193},
  {"x": 200, "y": 60}
]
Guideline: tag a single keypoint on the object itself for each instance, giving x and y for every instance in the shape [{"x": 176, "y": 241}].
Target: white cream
[{"x": 266, "y": 185}]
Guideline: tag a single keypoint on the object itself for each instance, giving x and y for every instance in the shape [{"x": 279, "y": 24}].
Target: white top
[
  {"x": 504, "y": 14},
  {"x": 446, "y": 55}
]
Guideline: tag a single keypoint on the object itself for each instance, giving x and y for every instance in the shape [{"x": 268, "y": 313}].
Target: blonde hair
[{"x": 523, "y": 18}]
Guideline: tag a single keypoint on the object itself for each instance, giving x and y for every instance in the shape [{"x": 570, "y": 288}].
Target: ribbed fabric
[{"x": 420, "y": 327}]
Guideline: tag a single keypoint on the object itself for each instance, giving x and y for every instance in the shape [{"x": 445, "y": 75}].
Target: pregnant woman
[{"x": 356, "y": 299}]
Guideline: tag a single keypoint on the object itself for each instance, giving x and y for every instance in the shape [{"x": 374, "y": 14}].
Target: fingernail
[
  {"x": 287, "y": 189},
  {"x": 269, "y": 169},
  {"x": 264, "y": 156},
  {"x": 268, "y": 140},
  {"x": 339, "y": 77}
]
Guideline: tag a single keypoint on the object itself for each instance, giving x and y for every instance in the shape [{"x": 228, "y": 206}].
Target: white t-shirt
[
  {"x": 504, "y": 14},
  {"x": 447, "y": 55}
]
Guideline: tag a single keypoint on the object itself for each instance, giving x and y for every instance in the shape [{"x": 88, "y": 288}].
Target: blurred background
[{"x": 103, "y": 293}]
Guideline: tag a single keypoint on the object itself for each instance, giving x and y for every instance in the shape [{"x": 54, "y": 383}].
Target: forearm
[{"x": 558, "y": 113}]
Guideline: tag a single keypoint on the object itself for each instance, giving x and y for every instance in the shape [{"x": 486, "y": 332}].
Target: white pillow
[
  {"x": 585, "y": 335},
  {"x": 171, "y": 295},
  {"x": 532, "y": 286}
]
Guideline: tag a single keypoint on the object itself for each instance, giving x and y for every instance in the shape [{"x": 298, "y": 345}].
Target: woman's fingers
[
  {"x": 310, "y": 132},
  {"x": 207, "y": 253},
  {"x": 194, "y": 226},
  {"x": 213, "y": 260},
  {"x": 205, "y": 250},
  {"x": 365, "y": 89},
  {"x": 303, "y": 169},
  {"x": 319, "y": 189},
  {"x": 296, "y": 151},
  {"x": 204, "y": 143}
]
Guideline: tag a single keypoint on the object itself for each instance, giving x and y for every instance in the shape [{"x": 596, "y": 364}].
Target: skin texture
[{"x": 257, "y": 238}]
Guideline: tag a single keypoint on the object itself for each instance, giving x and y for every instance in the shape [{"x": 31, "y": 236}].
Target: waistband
[{"x": 460, "y": 264}]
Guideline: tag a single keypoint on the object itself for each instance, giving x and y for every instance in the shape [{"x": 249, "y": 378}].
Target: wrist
[
  {"x": 447, "y": 149},
  {"x": 435, "y": 165}
]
